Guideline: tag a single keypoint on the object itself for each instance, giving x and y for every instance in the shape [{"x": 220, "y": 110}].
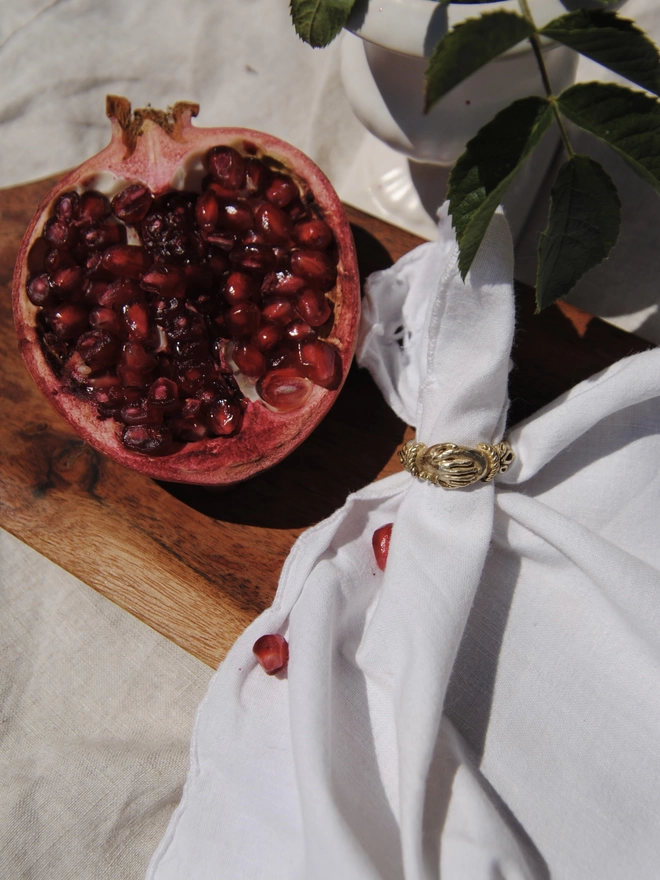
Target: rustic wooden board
[{"x": 195, "y": 564}]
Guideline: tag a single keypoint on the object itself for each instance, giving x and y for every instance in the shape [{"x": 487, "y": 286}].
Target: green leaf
[
  {"x": 318, "y": 22},
  {"x": 616, "y": 43},
  {"x": 483, "y": 172},
  {"x": 626, "y": 120},
  {"x": 584, "y": 222},
  {"x": 469, "y": 46}
]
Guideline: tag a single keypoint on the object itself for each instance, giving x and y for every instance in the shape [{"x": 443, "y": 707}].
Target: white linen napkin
[{"x": 489, "y": 705}]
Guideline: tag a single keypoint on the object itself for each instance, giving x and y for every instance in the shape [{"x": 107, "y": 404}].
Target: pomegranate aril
[
  {"x": 284, "y": 390},
  {"x": 218, "y": 263},
  {"x": 249, "y": 360},
  {"x": 278, "y": 310},
  {"x": 163, "y": 394},
  {"x": 242, "y": 319},
  {"x": 165, "y": 280},
  {"x": 227, "y": 166},
  {"x": 98, "y": 348},
  {"x": 257, "y": 176},
  {"x": 315, "y": 267},
  {"x": 281, "y": 191},
  {"x": 321, "y": 363},
  {"x": 93, "y": 206},
  {"x": 103, "y": 235},
  {"x": 136, "y": 365},
  {"x": 272, "y": 652},
  {"x": 267, "y": 337},
  {"x": 240, "y": 287},
  {"x": 107, "y": 319},
  {"x": 132, "y": 204},
  {"x": 224, "y": 418},
  {"x": 235, "y": 216},
  {"x": 136, "y": 319},
  {"x": 148, "y": 439},
  {"x": 185, "y": 326},
  {"x": 60, "y": 234},
  {"x": 164, "y": 308},
  {"x": 194, "y": 375},
  {"x": 207, "y": 211},
  {"x": 39, "y": 290},
  {"x": 282, "y": 283},
  {"x": 253, "y": 257},
  {"x": 66, "y": 321},
  {"x": 66, "y": 206},
  {"x": 68, "y": 280},
  {"x": 223, "y": 240},
  {"x": 300, "y": 331},
  {"x": 56, "y": 259},
  {"x": 126, "y": 260},
  {"x": 312, "y": 307},
  {"x": 188, "y": 349},
  {"x": 381, "y": 544},
  {"x": 313, "y": 234},
  {"x": 139, "y": 413},
  {"x": 273, "y": 223},
  {"x": 120, "y": 292},
  {"x": 76, "y": 370}
]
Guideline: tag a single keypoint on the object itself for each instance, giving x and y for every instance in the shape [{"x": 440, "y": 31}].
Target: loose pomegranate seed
[
  {"x": 148, "y": 439},
  {"x": 133, "y": 203},
  {"x": 381, "y": 544},
  {"x": 313, "y": 234},
  {"x": 126, "y": 260},
  {"x": 227, "y": 166},
  {"x": 321, "y": 363},
  {"x": 281, "y": 191},
  {"x": 315, "y": 267},
  {"x": 312, "y": 307},
  {"x": 284, "y": 391},
  {"x": 272, "y": 652}
]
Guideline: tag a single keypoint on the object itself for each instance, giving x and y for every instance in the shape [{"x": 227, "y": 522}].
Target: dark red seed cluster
[{"x": 151, "y": 307}]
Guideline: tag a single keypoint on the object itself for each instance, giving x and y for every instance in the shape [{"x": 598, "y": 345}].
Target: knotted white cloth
[{"x": 489, "y": 705}]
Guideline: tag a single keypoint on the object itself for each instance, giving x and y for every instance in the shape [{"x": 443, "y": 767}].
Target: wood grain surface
[{"x": 195, "y": 564}]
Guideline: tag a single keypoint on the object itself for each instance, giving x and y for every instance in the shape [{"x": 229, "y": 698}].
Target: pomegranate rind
[{"x": 165, "y": 161}]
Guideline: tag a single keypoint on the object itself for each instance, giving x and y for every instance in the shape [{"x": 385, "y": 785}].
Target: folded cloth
[{"x": 487, "y": 706}]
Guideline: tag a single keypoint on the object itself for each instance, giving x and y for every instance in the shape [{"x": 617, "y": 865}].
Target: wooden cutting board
[{"x": 195, "y": 564}]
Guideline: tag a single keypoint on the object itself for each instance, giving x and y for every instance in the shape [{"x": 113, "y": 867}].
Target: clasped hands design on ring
[{"x": 455, "y": 467}]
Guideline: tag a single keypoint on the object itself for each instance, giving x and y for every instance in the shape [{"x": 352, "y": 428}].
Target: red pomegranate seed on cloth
[
  {"x": 381, "y": 544},
  {"x": 272, "y": 652}
]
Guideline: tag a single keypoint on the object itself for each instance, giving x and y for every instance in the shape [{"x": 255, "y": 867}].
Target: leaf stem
[{"x": 538, "y": 54}]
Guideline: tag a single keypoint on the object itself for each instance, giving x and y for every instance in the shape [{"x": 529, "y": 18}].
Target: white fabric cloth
[{"x": 487, "y": 706}]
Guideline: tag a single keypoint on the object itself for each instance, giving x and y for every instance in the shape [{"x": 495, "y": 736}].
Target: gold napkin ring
[{"x": 454, "y": 467}]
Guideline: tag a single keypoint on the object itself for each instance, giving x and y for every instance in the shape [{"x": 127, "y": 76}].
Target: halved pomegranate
[{"x": 188, "y": 299}]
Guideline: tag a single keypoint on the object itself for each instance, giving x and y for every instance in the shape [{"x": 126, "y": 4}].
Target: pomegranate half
[{"x": 188, "y": 299}]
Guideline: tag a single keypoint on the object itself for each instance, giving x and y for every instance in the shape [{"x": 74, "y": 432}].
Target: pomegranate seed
[
  {"x": 224, "y": 418},
  {"x": 227, "y": 166},
  {"x": 39, "y": 290},
  {"x": 136, "y": 318},
  {"x": 284, "y": 390},
  {"x": 148, "y": 439},
  {"x": 282, "y": 283},
  {"x": 59, "y": 233},
  {"x": 381, "y": 544},
  {"x": 272, "y": 652},
  {"x": 273, "y": 223},
  {"x": 107, "y": 319},
  {"x": 218, "y": 263},
  {"x": 299, "y": 331},
  {"x": 235, "y": 216},
  {"x": 66, "y": 321},
  {"x": 240, "y": 287},
  {"x": 163, "y": 394},
  {"x": 312, "y": 307},
  {"x": 98, "y": 349},
  {"x": 104, "y": 235},
  {"x": 55, "y": 260},
  {"x": 321, "y": 363},
  {"x": 76, "y": 370},
  {"x": 207, "y": 211},
  {"x": 281, "y": 191},
  {"x": 267, "y": 337},
  {"x": 253, "y": 257},
  {"x": 66, "y": 206},
  {"x": 68, "y": 280},
  {"x": 139, "y": 413},
  {"x": 194, "y": 375},
  {"x": 167, "y": 281},
  {"x": 249, "y": 360},
  {"x": 313, "y": 234},
  {"x": 257, "y": 176},
  {"x": 315, "y": 267},
  {"x": 126, "y": 260},
  {"x": 136, "y": 365},
  {"x": 120, "y": 292},
  {"x": 278, "y": 310},
  {"x": 133, "y": 203},
  {"x": 242, "y": 319},
  {"x": 94, "y": 206}
]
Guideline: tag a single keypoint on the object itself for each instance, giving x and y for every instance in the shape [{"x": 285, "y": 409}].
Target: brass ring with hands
[{"x": 455, "y": 467}]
